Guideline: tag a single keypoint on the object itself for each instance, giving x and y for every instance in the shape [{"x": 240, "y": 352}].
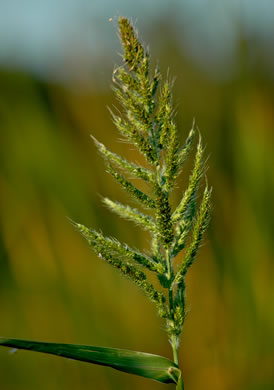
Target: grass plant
[{"x": 147, "y": 121}]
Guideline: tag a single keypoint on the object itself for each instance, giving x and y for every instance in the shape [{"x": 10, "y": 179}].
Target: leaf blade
[{"x": 138, "y": 363}]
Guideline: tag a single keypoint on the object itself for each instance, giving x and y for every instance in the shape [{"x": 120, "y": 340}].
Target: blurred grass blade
[{"x": 143, "y": 364}]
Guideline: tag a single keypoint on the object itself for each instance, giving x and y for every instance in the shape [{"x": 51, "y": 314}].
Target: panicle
[{"x": 147, "y": 121}]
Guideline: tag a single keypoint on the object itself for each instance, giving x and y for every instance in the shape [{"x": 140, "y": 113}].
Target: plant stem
[
  {"x": 174, "y": 344},
  {"x": 180, "y": 384},
  {"x": 174, "y": 339}
]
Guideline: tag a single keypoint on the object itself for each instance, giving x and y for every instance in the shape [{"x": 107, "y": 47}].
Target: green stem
[
  {"x": 180, "y": 383},
  {"x": 174, "y": 338},
  {"x": 179, "y": 379},
  {"x": 174, "y": 344}
]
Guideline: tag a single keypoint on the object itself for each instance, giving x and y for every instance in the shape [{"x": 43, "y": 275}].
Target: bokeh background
[{"x": 56, "y": 62}]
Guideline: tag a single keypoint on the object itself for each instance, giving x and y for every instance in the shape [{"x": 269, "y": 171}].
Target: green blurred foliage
[{"x": 53, "y": 288}]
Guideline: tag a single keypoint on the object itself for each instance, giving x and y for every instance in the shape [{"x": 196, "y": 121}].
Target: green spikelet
[
  {"x": 137, "y": 114},
  {"x": 133, "y": 133},
  {"x": 184, "y": 151},
  {"x": 189, "y": 195},
  {"x": 133, "y": 50},
  {"x": 164, "y": 116},
  {"x": 163, "y": 217},
  {"x": 122, "y": 163},
  {"x": 200, "y": 226},
  {"x": 155, "y": 81},
  {"x": 172, "y": 159},
  {"x": 146, "y": 200},
  {"x": 182, "y": 231},
  {"x": 156, "y": 247},
  {"x": 156, "y": 297},
  {"x": 179, "y": 309},
  {"x": 132, "y": 214},
  {"x": 100, "y": 243},
  {"x": 126, "y": 81}
]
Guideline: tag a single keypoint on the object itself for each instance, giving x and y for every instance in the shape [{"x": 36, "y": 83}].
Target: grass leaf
[{"x": 143, "y": 364}]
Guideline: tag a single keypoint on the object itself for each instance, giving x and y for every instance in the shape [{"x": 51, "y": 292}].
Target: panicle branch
[
  {"x": 122, "y": 163},
  {"x": 132, "y": 214},
  {"x": 146, "y": 200},
  {"x": 101, "y": 243}
]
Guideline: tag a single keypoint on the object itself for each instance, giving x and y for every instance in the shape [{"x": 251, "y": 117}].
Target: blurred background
[{"x": 56, "y": 63}]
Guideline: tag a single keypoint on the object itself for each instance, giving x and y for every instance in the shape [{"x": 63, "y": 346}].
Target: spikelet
[
  {"x": 199, "y": 228},
  {"x": 122, "y": 163},
  {"x": 144, "y": 199},
  {"x": 132, "y": 214},
  {"x": 194, "y": 181}
]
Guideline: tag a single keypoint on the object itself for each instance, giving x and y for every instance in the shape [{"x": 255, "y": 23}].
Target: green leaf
[{"x": 143, "y": 364}]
